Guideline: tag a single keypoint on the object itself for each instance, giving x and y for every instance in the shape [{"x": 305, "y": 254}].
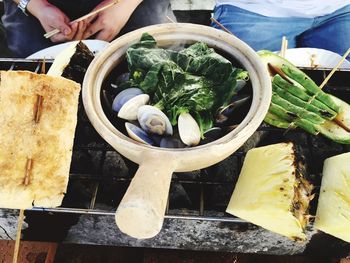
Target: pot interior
[
  {"x": 111, "y": 87},
  {"x": 111, "y": 62}
]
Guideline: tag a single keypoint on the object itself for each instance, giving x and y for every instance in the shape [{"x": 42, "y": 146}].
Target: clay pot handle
[{"x": 141, "y": 212}]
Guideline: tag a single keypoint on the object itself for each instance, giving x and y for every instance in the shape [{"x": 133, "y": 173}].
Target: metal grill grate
[{"x": 96, "y": 189}]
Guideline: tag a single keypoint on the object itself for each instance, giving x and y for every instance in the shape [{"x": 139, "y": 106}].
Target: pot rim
[{"x": 105, "y": 61}]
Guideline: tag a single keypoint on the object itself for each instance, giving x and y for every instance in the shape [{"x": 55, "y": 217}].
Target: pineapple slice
[
  {"x": 271, "y": 192},
  {"x": 333, "y": 211}
]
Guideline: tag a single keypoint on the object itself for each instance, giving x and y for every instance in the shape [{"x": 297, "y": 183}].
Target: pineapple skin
[
  {"x": 265, "y": 189},
  {"x": 333, "y": 210}
]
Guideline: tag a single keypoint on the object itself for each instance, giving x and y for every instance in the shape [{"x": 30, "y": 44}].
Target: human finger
[
  {"x": 61, "y": 37},
  {"x": 90, "y": 19},
  {"x": 92, "y": 29},
  {"x": 80, "y": 31},
  {"x": 105, "y": 35}
]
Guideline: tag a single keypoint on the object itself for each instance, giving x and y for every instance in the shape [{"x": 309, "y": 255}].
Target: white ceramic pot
[{"x": 141, "y": 211}]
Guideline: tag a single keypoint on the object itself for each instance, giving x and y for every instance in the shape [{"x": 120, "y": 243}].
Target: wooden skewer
[
  {"x": 38, "y": 108},
  {"x": 312, "y": 61},
  {"x": 322, "y": 86},
  {"x": 334, "y": 69},
  {"x": 43, "y": 66},
  {"x": 18, "y": 235},
  {"x": 171, "y": 20},
  {"x": 221, "y": 25},
  {"x": 284, "y": 47},
  {"x": 56, "y": 31},
  {"x": 28, "y": 169}
]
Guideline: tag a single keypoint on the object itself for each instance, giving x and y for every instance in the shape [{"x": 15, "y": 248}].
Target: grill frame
[{"x": 226, "y": 229}]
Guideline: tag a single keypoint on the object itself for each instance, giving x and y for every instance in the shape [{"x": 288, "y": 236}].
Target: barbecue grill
[{"x": 195, "y": 215}]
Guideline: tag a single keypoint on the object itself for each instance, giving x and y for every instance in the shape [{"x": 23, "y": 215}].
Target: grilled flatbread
[{"x": 36, "y": 138}]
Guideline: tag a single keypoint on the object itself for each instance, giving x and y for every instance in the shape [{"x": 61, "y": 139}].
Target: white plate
[
  {"x": 315, "y": 57},
  {"x": 51, "y": 52}
]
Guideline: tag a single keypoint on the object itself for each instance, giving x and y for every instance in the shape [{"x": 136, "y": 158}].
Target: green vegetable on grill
[{"x": 298, "y": 102}]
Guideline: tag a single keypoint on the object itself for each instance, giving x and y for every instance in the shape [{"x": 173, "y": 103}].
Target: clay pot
[{"x": 141, "y": 211}]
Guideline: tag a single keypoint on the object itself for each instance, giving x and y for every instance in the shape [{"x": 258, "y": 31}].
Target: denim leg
[
  {"x": 149, "y": 12},
  {"x": 260, "y": 32},
  {"x": 24, "y": 33},
  {"x": 331, "y": 32}
]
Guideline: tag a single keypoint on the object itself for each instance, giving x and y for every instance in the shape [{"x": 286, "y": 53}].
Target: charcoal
[
  {"x": 178, "y": 196},
  {"x": 114, "y": 165},
  {"x": 194, "y": 175},
  {"x": 253, "y": 141},
  {"x": 81, "y": 162}
]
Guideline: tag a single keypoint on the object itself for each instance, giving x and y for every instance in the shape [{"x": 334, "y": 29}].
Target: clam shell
[
  {"x": 137, "y": 134},
  {"x": 153, "y": 120},
  {"x": 124, "y": 96},
  {"x": 240, "y": 84},
  {"x": 130, "y": 109},
  {"x": 188, "y": 130},
  {"x": 224, "y": 113},
  {"x": 169, "y": 142}
]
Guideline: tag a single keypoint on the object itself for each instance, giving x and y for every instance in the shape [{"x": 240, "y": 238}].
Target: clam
[
  {"x": 224, "y": 113},
  {"x": 171, "y": 142},
  {"x": 124, "y": 96},
  {"x": 137, "y": 133},
  {"x": 240, "y": 84},
  {"x": 154, "y": 121},
  {"x": 188, "y": 130},
  {"x": 120, "y": 80},
  {"x": 127, "y": 102},
  {"x": 213, "y": 134}
]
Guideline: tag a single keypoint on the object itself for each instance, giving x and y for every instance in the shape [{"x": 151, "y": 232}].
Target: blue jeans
[
  {"x": 25, "y": 34},
  {"x": 331, "y": 32}
]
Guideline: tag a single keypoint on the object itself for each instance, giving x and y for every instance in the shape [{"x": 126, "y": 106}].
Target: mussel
[
  {"x": 171, "y": 142},
  {"x": 188, "y": 129},
  {"x": 120, "y": 80},
  {"x": 154, "y": 121},
  {"x": 212, "y": 134},
  {"x": 240, "y": 84},
  {"x": 138, "y": 134},
  {"x": 224, "y": 113},
  {"x": 127, "y": 102}
]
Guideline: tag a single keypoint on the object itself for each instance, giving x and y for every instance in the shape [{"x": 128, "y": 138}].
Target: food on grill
[
  {"x": 72, "y": 62},
  {"x": 193, "y": 87},
  {"x": 333, "y": 211},
  {"x": 272, "y": 191},
  {"x": 38, "y": 119},
  {"x": 298, "y": 102}
]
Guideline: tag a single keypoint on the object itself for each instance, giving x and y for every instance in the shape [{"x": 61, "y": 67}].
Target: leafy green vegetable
[{"x": 194, "y": 80}]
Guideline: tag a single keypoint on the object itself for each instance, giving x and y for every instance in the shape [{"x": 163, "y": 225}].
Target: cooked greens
[{"x": 195, "y": 80}]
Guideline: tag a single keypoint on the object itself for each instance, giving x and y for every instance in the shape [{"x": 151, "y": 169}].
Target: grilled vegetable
[
  {"x": 333, "y": 211},
  {"x": 297, "y": 100},
  {"x": 293, "y": 119},
  {"x": 272, "y": 191},
  {"x": 300, "y": 93}
]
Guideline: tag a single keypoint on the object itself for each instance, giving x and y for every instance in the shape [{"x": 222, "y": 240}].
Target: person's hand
[
  {"x": 108, "y": 23},
  {"x": 52, "y": 18}
]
